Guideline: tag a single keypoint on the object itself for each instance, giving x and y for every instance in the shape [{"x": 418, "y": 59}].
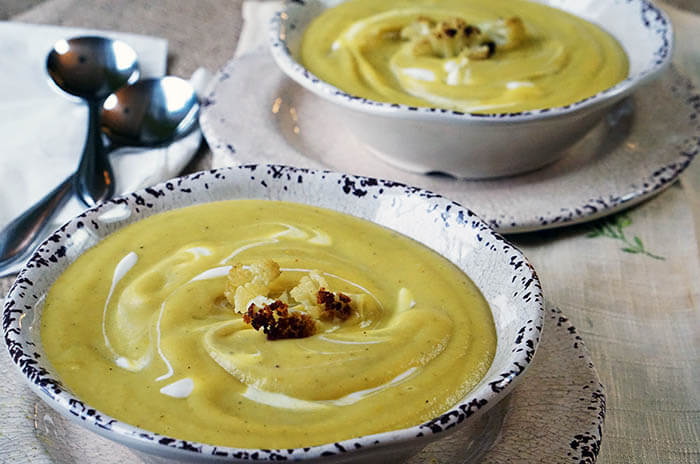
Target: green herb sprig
[{"x": 613, "y": 228}]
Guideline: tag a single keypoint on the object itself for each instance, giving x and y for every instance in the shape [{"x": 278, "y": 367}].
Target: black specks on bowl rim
[
  {"x": 270, "y": 181},
  {"x": 652, "y": 18}
]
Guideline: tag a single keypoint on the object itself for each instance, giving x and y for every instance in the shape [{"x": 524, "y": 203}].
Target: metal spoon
[
  {"x": 91, "y": 68},
  {"x": 151, "y": 112}
]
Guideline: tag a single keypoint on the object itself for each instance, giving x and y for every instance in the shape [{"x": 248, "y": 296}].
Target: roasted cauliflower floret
[
  {"x": 321, "y": 303},
  {"x": 334, "y": 305},
  {"x": 284, "y": 313},
  {"x": 305, "y": 291},
  {"x": 418, "y": 29},
  {"x": 277, "y": 322},
  {"x": 506, "y": 33},
  {"x": 245, "y": 283},
  {"x": 455, "y": 37}
]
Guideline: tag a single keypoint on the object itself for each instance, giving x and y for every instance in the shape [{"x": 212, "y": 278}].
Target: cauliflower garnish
[
  {"x": 506, "y": 33},
  {"x": 248, "y": 282},
  {"x": 324, "y": 304},
  {"x": 290, "y": 313},
  {"x": 305, "y": 292},
  {"x": 334, "y": 305},
  {"x": 454, "y": 37},
  {"x": 278, "y": 323},
  {"x": 418, "y": 29}
]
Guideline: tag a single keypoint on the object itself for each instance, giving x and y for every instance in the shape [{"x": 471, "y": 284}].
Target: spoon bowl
[
  {"x": 150, "y": 112},
  {"x": 91, "y": 68}
]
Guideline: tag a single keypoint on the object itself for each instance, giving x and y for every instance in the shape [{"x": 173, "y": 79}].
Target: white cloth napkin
[
  {"x": 254, "y": 33},
  {"x": 253, "y": 39},
  {"x": 42, "y": 132}
]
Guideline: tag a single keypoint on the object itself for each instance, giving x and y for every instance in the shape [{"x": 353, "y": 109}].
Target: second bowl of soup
[{"x": 470, "y": 88}]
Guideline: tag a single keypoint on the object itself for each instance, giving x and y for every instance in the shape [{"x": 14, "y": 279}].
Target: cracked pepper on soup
[
  {"x": 496, "y": 56},
  {"x": 262, "y": 324}
]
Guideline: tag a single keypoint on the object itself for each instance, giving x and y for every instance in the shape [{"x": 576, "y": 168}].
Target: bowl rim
[
  {"x": 652, "y": 18},
  {"x": 52, "y": 391}
]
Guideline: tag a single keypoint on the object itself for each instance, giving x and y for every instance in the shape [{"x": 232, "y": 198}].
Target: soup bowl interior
[
  {"x": 502, "y": 274},
  {"x": 473, "y": 145}
]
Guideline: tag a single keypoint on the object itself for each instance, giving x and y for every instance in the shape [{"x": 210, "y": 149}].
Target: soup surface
[
  {"x": 146, "y": 326},
  {"x": 469, "y": 55}
]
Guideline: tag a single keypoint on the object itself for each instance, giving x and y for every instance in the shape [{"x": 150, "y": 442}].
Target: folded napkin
[
  {"x": 254, "y": 33},
  {"x": 252, "y": 40},
  {"x": 42, "y": 132}
]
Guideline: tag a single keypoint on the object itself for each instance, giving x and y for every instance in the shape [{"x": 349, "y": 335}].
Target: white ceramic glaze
[
  {"x": 484, "y": 145},
  {"x": 504, "y": 277}
]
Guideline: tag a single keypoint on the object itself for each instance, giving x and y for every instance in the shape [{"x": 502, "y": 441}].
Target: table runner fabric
[{"x": 629, "y": 283}]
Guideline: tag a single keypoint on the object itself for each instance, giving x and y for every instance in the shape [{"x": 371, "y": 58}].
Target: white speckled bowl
[
  {"x": 484, "y": 145},
  {"x": 504, "y": 277}
]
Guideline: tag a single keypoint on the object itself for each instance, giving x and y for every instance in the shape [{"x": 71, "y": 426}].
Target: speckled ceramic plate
[
  {"x": 255, "y": 114},
  {"x": 556, "y": 414}
]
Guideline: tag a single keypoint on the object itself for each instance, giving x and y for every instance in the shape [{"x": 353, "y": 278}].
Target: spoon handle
[
  {"x": 94, "y": 180},
  {"x": 22, "y": 234}
]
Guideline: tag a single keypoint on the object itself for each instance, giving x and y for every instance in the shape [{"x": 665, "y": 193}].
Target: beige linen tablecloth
[{"x": 630, "y": 284}]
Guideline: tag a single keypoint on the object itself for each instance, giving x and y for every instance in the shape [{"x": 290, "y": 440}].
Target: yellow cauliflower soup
[
  {"x": 496, "y": 56},
  {"x": 263, "y": 324}
]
